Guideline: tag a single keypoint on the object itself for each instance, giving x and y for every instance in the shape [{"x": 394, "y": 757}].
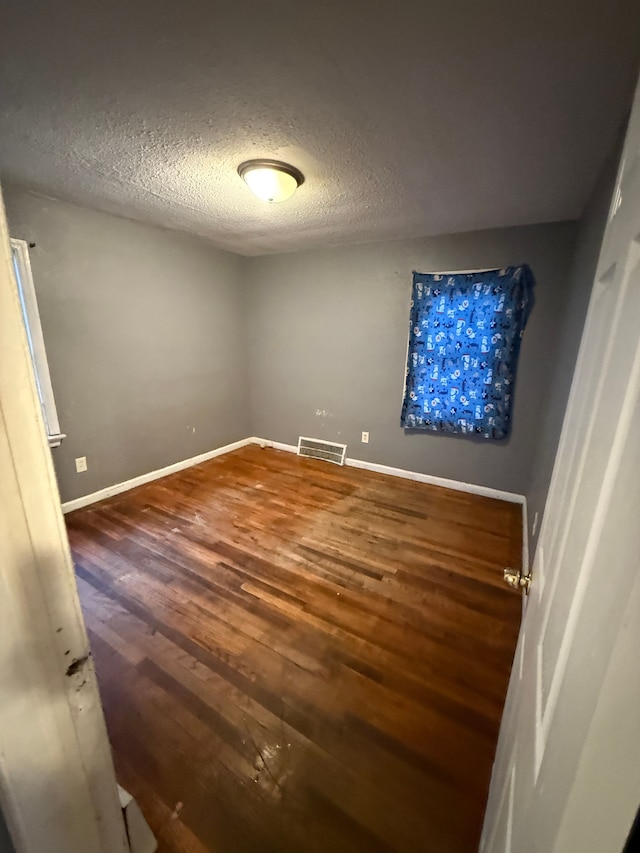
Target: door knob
[{"x": 516, "y": 580}]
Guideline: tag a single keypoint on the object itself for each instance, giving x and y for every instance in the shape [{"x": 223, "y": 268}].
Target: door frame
[{"x": 58, "y": 789}]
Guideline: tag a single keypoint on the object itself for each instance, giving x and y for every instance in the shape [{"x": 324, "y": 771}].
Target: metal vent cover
[{"x": 316, "y": 448}]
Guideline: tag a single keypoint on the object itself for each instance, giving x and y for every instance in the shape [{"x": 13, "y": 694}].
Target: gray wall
[
  {"x": 150, "y": 334},
  {"x": 145, "y": 338},
  {"x": 591, "y": 229},
  {"x": 327, "y": 342}
]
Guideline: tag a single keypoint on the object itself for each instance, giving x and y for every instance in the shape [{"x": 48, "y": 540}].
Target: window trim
[{"x": 35, "y": 338}]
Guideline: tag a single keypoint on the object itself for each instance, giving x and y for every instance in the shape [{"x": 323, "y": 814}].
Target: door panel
[
  {"x": 57, "y": 784},
  {"x": 502, "y": 835},
  {"x": 584, "y": 570},
  {"x": 572, "y": 560},
  {"x": 580, "y": 421}
]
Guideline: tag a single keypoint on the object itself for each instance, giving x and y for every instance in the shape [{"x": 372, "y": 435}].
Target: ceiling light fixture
[{"x": 271, "y": 180}]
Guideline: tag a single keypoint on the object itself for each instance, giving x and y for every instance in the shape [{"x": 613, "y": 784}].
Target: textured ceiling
[{"x": 407, "y": 118}]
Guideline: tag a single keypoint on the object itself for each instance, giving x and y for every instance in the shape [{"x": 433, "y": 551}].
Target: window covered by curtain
[{"x": 464, "y": 340}]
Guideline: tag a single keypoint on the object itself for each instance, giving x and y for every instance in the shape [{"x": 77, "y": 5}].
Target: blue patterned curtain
[{"x": 464, "y": 341}]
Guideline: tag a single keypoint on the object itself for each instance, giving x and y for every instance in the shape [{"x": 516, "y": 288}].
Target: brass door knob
[{"x": 516, "y": 580}]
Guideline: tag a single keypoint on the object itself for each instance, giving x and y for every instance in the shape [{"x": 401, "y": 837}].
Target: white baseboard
[
  {"x": 110, "y": 491},
  {"x": 457, "y": 485}
]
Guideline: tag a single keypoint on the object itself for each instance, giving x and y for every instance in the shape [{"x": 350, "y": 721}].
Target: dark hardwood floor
[{"x": 294, "y": 656}]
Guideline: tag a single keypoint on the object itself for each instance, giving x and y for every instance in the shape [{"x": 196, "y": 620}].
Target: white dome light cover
[{"x": 271, "y": 180}]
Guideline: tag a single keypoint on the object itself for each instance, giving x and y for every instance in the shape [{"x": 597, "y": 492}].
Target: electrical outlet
[
  {"x": 534, "y": 526},
  {"x": 81, "y": 464},
  {"x": 365, "y": 438}
]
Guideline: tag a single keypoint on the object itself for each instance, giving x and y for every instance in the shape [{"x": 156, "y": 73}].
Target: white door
[
  {"x": 567, "y": 772},
  {"x": 58, "y": 790}
]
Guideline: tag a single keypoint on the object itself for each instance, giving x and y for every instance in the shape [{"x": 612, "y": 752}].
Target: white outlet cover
[
  {"x": 365, "y": 437},
  {"x": 81, "y": 464}
]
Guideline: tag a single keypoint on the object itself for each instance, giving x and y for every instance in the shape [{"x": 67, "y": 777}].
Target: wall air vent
[{"x": 316, "y": 448}]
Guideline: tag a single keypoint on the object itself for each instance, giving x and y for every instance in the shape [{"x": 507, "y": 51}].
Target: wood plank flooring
[{"x": 299, "y": 657}]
